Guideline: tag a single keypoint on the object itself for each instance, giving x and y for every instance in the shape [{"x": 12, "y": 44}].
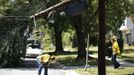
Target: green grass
[
  {"x": 128, "y": 55},
  {"x": 109, "y": 71},
  {"x": 68, "y": 59}
]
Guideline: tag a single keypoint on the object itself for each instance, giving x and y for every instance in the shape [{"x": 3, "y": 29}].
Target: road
[
  {"x": 29, "y": 67},
  {"x": 28, "y": 71}
]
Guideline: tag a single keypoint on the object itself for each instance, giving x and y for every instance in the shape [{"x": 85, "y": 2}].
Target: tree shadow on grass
[
  {"x": 68, "y": 53},
  {"x": 130, "y": 74},
  {"x": 130, "y": 60}
]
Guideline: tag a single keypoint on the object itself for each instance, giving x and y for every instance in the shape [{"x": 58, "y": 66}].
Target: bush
[{"x": 13, "y": 42}]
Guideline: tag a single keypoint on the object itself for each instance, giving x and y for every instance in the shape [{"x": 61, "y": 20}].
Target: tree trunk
[
  {"x": 76, "y": 20},
  {"x": 58, "y": 39}
]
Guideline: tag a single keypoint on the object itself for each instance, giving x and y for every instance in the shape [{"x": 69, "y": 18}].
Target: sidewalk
[
  {"x": 122, "y": 62},
  {"x": 33, "y": 71}
]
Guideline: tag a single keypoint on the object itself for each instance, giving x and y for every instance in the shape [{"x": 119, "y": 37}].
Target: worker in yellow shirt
[
  {"x": 116, "y": 51},
  {"x": 44, "y": 60}
]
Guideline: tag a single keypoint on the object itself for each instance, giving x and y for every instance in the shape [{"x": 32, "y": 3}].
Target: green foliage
[
  {"x": 45, "y": 39},
  {"x": 67, "y": 39},
  {"x": 90, "y": 19},
  {"x": 13, "y": 42},
  {"x": 116, "y": 11},
  {"x": 48, "y": 40},
  {"x": 4, "y": 4}
]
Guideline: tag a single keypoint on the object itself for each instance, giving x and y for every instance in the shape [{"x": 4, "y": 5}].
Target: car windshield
[{"x": 34, "y": 46}]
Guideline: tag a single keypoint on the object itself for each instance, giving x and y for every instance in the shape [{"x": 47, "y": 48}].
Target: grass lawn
[
  {"x": 128, "y": 54},
  {"x": 109, "y": 71},
  {"x": 68, "y": 59}
]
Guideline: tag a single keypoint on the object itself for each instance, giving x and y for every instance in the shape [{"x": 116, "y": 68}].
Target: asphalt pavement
[
  {"x": 29, "y": 67},
  {"x": 28, "y": 71},
  {"x": 33, "y": 71}
]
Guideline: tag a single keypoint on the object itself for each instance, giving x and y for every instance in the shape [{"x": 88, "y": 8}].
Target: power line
[{"x": 15, "y": 16}]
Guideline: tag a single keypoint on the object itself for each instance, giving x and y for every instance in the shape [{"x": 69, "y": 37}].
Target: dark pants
[
  {"x": 116, "y": 64},
  {"x": 41, "y": 66}
]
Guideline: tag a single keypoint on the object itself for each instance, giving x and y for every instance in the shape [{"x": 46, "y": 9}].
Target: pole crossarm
[{"x": 44, "y": 12}]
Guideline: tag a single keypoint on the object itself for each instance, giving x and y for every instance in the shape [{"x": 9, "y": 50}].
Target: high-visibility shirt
[
  {"x": 44, "y": 58},
  {"x": 115, "y": 48}
]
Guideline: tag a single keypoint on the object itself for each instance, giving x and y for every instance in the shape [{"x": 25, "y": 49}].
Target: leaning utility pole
[
  {"x": 101, "y": 48},
  {"x": 54, "y": 7}
]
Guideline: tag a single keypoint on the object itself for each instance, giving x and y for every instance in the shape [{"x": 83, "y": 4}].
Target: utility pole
[
  {"x": 46, "y": 11},
  {"x": 101, "y": 48},
  {"x": 87, "y": 54}
]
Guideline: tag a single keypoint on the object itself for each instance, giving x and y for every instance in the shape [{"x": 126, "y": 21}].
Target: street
[
  {"x": 29, "y": 67},
  {"x": 28, "y": 71}
]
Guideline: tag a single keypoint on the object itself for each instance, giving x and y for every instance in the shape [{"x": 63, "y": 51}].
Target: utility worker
[
  {"x": 44, "y": 60},
  {"x": 116, "y": 51}
]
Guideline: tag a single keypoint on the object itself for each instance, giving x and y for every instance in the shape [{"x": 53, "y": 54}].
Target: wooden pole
[
  {"x": 101, "y": 48},
  {"x": 44, "y": 12}
]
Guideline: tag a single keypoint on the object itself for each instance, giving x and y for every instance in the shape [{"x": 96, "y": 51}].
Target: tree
[
  {"x": 76, "y": 20},
  {"x": 13, "y": 41},
  {"x": 83, "y": 25}
]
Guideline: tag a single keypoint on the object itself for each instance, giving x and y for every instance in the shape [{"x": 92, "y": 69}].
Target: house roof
[{"x": 127, "y": 25}]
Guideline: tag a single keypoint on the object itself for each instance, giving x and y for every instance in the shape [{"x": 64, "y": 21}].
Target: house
[{"x": 127, "y": 29}]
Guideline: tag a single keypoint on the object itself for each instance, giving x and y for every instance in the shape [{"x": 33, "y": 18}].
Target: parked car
[{"x": 33, "y": 50}]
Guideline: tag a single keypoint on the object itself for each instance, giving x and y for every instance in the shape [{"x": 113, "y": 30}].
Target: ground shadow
[
  {"x": 29, "y": 63},
  {"x": 130, "y": 74}
]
